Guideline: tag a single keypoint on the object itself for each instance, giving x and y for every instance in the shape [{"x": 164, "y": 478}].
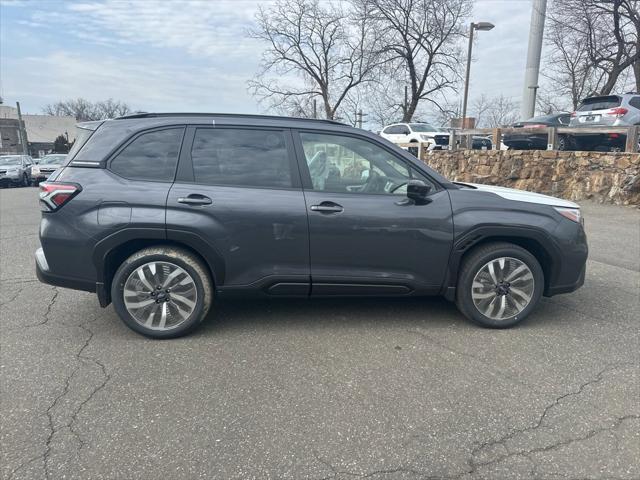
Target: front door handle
[
  {"x": 195, "y": 199},
  {"x": 327, "y": 207}
]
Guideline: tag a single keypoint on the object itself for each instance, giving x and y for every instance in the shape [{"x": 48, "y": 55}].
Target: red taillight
[
  {"x": 55, "y": 195},
  {"x": 574, "y": 114},
  {"x": 618, "y": 111}
]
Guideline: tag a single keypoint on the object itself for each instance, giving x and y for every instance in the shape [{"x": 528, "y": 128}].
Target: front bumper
[
  {"x": 10, "y": 178},
  {"x": 45, "y": 275}
]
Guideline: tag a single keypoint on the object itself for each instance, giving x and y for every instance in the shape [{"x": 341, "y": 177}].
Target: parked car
[
  {"x": 605, "y": 111},
  {"x": 165, "y": 215},
  {"x": 46, "y": 166},
  {"x": 436, "y": 137},
  {"x": 416, "y": 132},
  {"x": 538, "y": 141},
  {"x": 15, "y": 170}
]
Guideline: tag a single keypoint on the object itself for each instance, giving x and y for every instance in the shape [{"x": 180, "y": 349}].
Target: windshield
[
  {"x": 10, "y": 160},
  {"x": 53, "y": 160},
  {"x": 422, "y": 127}
]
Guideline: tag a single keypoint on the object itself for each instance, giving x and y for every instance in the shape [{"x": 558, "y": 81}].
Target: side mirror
[{"x": 418, "y": 191}]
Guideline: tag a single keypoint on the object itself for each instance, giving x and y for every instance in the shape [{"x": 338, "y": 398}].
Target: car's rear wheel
[
  {"x": 25, "y": 180},
  {"x": 499, "y": 285},
  {"x": 162, "y": 292}
]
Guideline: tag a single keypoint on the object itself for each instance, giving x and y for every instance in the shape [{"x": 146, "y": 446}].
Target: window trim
[
  {"x": 131, "y": 139},
  {"x": 307, "y": 184},
  {"x": 185, "y": 164}
]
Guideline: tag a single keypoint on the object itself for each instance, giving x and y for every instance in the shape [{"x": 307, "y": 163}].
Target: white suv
[{"x": 416, "y": 132}]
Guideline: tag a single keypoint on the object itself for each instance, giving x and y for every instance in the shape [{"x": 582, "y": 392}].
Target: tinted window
[
  {"x": 393, "y": 129},
  {"x": 422, "y": 127},
  {"x": 599, "y": 103},
  {"x": 151, "y": 156},
  {"x": 635, "y": 102},
  {"x": 233, "y": 156},
  {"x": 343, "y": 164}
]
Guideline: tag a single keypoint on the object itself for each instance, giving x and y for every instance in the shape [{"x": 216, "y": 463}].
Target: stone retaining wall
[{"x": 603, "y": 177}]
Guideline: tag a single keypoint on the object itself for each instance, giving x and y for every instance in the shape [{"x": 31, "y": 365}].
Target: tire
[
  {"x": 563, "y": 143},
  {"x": 25, "y": 180},
  {"x": 502, "y": 304},
  {"x": 413, "y": 150},
  {"x": 182, "y": 310}
]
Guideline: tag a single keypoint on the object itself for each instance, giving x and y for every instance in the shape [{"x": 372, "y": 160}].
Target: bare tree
[
  {"x": 595, "y": 42},
  {"x": 84, "y": 110},
  {"x": 495, "y": 112},
  {"x": 328, "y": 50},
  {"x": 423, "y": 41}
]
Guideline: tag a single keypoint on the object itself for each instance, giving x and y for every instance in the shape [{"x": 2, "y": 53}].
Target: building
[{"x": 42, "y": 131}]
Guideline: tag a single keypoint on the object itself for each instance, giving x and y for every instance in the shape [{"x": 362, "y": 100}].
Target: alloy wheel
[
  {"x": 502, "y": 288},
  {"x": 160, "y": 295}
]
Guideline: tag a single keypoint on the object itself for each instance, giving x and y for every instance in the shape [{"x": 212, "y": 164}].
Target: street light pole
[
  {"x": 466, "y": 77},
  {"x": 486, "y": 26}
]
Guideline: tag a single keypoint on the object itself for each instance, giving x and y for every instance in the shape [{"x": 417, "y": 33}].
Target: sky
[{"x": 170, "y": 55}]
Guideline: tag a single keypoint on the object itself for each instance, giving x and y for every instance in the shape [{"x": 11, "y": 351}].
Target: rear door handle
[
  {"x": 195, "y": 199},
  {"x": 327, "y": 207}
]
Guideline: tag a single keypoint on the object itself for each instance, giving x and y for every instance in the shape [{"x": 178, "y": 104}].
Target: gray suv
[{"x": 166, "y": 214}]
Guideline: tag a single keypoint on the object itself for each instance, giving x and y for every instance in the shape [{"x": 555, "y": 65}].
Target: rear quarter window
[{"x": 150, "y": 156}]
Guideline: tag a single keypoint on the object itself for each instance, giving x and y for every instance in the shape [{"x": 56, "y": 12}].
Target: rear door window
[
  {"x": 150, "y": 156},
  {"x": 241, "y": 157},
  {"x": 599, "y": 103}
]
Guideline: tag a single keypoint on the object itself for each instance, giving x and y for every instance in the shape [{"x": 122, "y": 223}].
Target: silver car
[
  {"x": 605, "y": 111},
  {"x": 15, "y": 170},
  {"x": 47, "y": 165}
]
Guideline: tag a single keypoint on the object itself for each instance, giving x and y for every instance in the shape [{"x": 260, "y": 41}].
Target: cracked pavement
[{"x": 322, "y": 389}]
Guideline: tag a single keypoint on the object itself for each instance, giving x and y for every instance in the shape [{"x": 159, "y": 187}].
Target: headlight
[
  {"x": 426, "y": 137},
  {"x": 572, "y": 214}
]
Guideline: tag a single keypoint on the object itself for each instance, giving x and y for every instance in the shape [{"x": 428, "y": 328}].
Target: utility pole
[
  {"x": 536, "y": 32},
  {"x": 406, "y": 102},
  {"x": 24, "y": 142},
  {"x": 359, "y": 116},
  {"x": 315, "y": 108}
]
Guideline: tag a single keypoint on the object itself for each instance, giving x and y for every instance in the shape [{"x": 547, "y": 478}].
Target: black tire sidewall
[
  {"x": 117, "y": 297},
  {"x": 463, "y": 293}
]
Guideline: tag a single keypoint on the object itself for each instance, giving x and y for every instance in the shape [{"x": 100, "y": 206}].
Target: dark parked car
[
  {"x": 538, "y": 141},
  {"x": 166, "y": 214}
]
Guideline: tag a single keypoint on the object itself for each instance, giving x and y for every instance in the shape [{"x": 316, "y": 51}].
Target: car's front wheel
[
  {"x": 162, "y": 292},
  {"x": 499, "y": 285}
]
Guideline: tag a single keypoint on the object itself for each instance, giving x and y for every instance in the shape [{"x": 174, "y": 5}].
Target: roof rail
[{"x": 229, "y": 115}]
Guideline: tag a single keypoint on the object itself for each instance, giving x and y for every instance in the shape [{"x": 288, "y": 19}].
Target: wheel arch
[
  {"x": 535, "y": 241},
  {"x": 111, "y": 252}
]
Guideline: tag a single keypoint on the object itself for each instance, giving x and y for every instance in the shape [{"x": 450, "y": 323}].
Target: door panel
[
  {"x": 363, "y": 229},
  {"x": 377, "y": 240},
  {"x": 238, "y": 190},
  {"x": 256, "y": 232}
]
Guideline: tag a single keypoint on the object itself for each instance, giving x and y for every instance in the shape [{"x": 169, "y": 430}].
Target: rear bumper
[{"x": 46, "y": 276}]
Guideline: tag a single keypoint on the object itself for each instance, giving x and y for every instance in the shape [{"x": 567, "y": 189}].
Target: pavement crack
[
  {"x": 53, "y": 426},
  {"x": 540, "y": 423},
  {"x": 16, "y": 295},
  {"x": 105, "y": 378}
]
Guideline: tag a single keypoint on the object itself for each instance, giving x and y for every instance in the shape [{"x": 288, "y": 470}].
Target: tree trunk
[
  {"x": 410, "y": 111},
  {"x": 636, "y": 71}
]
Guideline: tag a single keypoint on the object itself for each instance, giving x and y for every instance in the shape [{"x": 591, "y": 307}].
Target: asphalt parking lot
[{"x": 323, "y": 389}]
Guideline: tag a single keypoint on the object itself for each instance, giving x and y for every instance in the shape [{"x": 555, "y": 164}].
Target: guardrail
[{"x": 631, "y": 145}]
